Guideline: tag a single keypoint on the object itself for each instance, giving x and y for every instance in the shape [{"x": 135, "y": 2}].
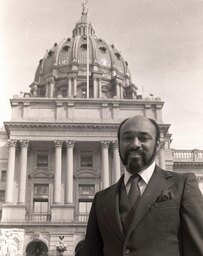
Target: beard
[{"x": 135, "y": 160}]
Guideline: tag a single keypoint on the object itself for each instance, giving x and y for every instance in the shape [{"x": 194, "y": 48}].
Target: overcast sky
[{"x": 162, "y": 41}]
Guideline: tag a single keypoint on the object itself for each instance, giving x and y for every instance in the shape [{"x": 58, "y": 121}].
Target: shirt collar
[{"x": 145, "y": 174}]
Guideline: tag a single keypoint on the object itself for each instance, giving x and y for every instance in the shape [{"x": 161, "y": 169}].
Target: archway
[
  {"x": 78, "y": 248},
  {"x": 37, "y": 248}
]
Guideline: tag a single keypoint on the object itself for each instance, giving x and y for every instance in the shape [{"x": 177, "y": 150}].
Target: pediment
[
  {"x": 87, "y": 174},
  {"x": 41, "y": 174}
]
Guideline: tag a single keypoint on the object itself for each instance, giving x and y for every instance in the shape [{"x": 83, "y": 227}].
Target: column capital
[
  {"x": 24, "y": 143},
  {"x": 105, "y": 143},
  {"x": 58, "y": 143},
  {"x": 12, "y": 143},
  {"x": 70, "y": 143},
  {"x": 115, "y": 144}
]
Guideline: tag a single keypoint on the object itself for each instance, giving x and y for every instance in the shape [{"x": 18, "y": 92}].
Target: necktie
[{"x": 134, "y": 192}]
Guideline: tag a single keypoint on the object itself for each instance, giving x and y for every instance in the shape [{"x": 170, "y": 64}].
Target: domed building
[
  {"x": 60, "y": 146},
  {"x": 62, "y": 73}
]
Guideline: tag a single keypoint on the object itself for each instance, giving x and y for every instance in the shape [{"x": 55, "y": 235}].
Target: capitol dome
[{"x": 62, "y": 72}]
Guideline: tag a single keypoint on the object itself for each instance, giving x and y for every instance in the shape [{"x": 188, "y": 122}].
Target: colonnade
[
  {"x": 72, "y": 87},
  {"x": 24, "y": 144},
  {"x": 105, "y": 172}
]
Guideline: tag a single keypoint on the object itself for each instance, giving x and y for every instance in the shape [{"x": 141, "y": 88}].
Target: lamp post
[{"x": 61, "y": 247}]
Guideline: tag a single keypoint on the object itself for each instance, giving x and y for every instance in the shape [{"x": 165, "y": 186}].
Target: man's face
[{"x": 138, "y": 144}]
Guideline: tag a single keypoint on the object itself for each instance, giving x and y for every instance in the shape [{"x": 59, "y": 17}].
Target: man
[{"x": 166, "y": 216}]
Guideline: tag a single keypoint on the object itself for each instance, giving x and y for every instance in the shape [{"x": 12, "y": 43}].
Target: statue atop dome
[{"x": 84, "y": 10}]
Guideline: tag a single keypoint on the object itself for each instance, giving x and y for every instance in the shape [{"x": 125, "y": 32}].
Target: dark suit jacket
[{"x": 168, "y": 220}]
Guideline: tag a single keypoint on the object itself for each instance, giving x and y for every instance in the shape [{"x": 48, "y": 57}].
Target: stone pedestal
[
  {"x": 61, "y": 213},
  {"x": 13, "y": 213}
]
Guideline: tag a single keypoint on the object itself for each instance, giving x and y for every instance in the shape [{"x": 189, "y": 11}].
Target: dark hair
[{"x": 151, "y": 120}]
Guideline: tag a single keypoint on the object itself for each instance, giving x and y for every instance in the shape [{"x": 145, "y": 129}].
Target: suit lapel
[
  {"x": 159, "y": 181},
  {"x": 110, "y": 209}
]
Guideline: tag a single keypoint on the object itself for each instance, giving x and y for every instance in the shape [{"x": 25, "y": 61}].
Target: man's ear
[{"x": 158, "y": 143}]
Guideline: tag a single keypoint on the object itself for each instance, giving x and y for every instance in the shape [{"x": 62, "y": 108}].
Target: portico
[{"x": 65, "y": 163}]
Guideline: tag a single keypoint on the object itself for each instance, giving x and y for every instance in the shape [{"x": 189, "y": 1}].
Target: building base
[{"x": 13, "y": 213}]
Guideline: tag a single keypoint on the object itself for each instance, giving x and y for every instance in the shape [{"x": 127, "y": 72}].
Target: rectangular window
[
  {"x": 84, "y": 206},
  {"x": 3, "y": 175},
  {"x": 40, "y": 206},
  {"x": 86, "y": 159},
  {"x": 2, "y": 196},
  {"x": 86, "y": 190},
  {"x": 41, "y": 189},
  {"x": 42, "y": 159},
  {"x": 41, "y": 199}
]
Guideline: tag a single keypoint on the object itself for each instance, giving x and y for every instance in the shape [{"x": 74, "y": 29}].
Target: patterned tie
[{"x": 134, "y": 192}]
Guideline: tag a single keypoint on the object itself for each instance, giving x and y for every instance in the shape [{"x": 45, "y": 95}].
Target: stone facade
[{"x": 60, "y": 146}]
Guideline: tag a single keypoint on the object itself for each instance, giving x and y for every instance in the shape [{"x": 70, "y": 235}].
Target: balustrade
[
  {"x": 82, "y": 217},
  {"x": 38, "y": 217},
  {"x": 188, "y": 155}
]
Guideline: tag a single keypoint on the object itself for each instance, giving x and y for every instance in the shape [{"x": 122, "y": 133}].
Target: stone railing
[
  {"x": 194, "y": 155},
  {"x": 82, "y": 217},
  {"x": 40, "y": 217}
]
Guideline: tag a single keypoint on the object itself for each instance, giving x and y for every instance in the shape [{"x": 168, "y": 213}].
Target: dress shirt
[{"x": 145, "y": 175}]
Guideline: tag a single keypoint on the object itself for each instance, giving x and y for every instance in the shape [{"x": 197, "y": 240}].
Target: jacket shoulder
[{"x": 176, "y": 175}]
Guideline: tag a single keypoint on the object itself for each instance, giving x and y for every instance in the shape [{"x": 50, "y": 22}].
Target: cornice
[
  {"x": 179, "y": 163},
  {"x": 59, "y": 125},
  {"x": 85, "y": 100}
]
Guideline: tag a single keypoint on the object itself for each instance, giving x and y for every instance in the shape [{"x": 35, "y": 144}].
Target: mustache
[{"x": 133, "y": 150}]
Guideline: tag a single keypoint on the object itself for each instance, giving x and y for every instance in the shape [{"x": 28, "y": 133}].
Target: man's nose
[{"x": 136, "y": 142}]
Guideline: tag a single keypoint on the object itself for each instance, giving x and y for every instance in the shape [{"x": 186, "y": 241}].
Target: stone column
[
  {"x": 11, "y": 170},
  {"x": 117, "y": 91},
  {"x": 116, "y": 162},
  {"x": 57, "y": 176},
  {"x": 69, "y": 173},
  {"x": 51, "y": 87},
  {"x": 74, "y": 87},
  {"x": 162, "y": 162},
  {"x": 94, "y": 87},
  {"x": 47, "y": 90},
  {"x": 100, "y": 89},
  {"x": 69, "y": 87},
  {"x": 105, "y": 164},
  {"x": 121, "y": 91},
  {"x": 23, "y": 171}
]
